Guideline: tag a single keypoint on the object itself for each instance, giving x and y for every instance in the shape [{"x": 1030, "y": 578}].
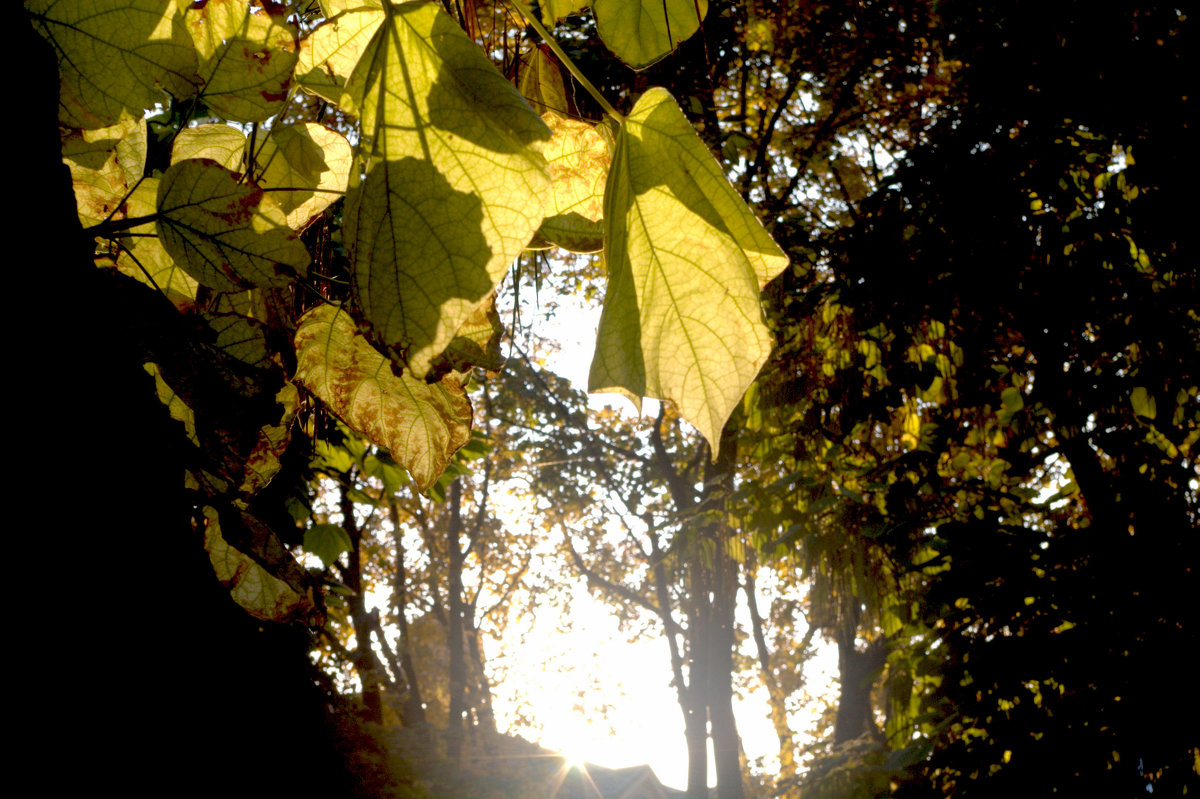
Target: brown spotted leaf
[
  {"x": 579, "y": 157},
  {"x": 246, "y": 60},
  {"x": 226, "y": 234},
  {"x": 260, "y": 593},
  {"x": 421, "y": 424}
]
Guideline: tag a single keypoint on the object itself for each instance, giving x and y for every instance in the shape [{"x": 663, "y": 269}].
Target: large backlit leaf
[
  {"x": 455, "y": 188},
  {"x": 260, "y": 593},
  {"x": 246, "y": 60},
  {"x": 686, "y": 260},
  {"x": 579, "y": 158},
  {"x": 329, "y": 54},
  {"x": 116, "y": 57},
  {"x": 226, "y": 234},
  {"x": 105, "y": 165},
  {"x": 421, "y": 424},
  {"x": 641, "y": 32},
  {"x": 312, "y": 160}
]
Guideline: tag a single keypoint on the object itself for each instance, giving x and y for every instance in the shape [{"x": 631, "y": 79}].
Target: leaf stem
[{"x": 524, "y": 11}]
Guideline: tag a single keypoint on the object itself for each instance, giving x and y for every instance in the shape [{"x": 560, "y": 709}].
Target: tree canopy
[{"x": 912, "y": 281}]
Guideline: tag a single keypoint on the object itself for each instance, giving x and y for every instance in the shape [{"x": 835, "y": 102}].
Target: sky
[{"x": 579, "y": 684}]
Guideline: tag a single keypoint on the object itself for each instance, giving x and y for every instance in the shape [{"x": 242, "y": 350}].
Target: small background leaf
[
  {"x": 221, "y": 143},
  {"x": 327, "y": 542},
  {"x": 310, "y": 158},
  {"x": 578, "y": 157},
  {"x": 640, "y": 32}
]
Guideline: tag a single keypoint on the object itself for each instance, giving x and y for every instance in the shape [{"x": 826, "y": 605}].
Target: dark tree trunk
[
  {"x": 727, "y": 747},
  {"x": 414, "y": 705},
  {"x": 857, "y": 670},
  {"x": 454, "y": 629},
  {"x": 365, "y": 662}
]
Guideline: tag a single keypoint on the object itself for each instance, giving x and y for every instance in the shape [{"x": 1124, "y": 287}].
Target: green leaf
[
  {"x": 226, "y": 234},
  {"x": 421, "y": 424},
  {"x": 106, "y": 164},
  {"x": 542, "y": 83},
  {"x": 1143, "y": 403},
  {"x": 312, "y": 160},
  {"x": 686, "y": 258},
  {"x": 554, "y": 10},
  {"x": 260, "y": 593},
  {"x": 327, "y": 542},
  {"x": 221, "y": 143},
  {"x": 246, "y": 60},
  {"x": 579, "y": 159},
  {"x": 640, "y": 32},
  {"x": 116, "y": 57},
  {"x": 455, "y": 186}
]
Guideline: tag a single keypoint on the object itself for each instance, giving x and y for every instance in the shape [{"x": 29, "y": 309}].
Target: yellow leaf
[{"x": 682, "y": 318}]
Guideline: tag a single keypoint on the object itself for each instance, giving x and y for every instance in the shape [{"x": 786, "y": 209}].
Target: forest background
[{"x": 973, "y": 442}]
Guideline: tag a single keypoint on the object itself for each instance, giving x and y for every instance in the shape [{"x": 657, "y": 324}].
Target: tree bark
[
  {"x": 455, "y": 730},
  {"x": 365, "y": 662},
  {"x": 414, "y": 705}
]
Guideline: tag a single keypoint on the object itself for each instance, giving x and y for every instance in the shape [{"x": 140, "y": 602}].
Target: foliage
[{"x": 444, "y": 186}]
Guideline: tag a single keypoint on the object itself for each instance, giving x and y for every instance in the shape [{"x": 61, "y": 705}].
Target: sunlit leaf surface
[
  {"x": 105, "y": 165},
  {"x": 221, "y": 143},
  {"x": 686, "y": 259},
  {"x": 641, "y": 32},
  {"x": 246, "y": 60},
  {"x": 579, "y": 158},
  {"x": 308, "y": 158},
  {"x": 328, "y": 54},
  {"x": 455, "y": 187},
  {"x": 226, "y": 234},
  {"x": 116, "y": 57},
  {"x": 420, "y": 423}
]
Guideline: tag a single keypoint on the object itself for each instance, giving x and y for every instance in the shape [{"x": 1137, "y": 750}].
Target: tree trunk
[
  {"x": 455, "y": 730},
  {"x": 365, "y": 662},
  {"x": 727, "y": 747},
  {"x": 414, "y": 705},
  {"x": 776, "y": 698},
  {"x": 858, "y": 670}
]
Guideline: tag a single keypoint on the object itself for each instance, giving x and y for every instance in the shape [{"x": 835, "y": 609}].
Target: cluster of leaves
[
  {"x": 963, "y": 396},
  {"x": 359, "y": 267}
]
